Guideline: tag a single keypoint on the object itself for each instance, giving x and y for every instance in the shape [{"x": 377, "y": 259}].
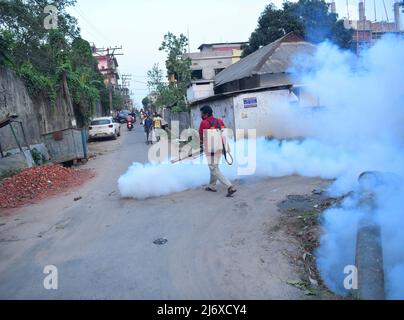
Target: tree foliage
[
  {"x": 155, "y": 78},
  {"x": 173, "y": 92},
  {"x": 146, "y": 102},
  {"x": 168, "y": 94},
  {"x": 310, "y": 19},
  {"x": 43, "y": 58},
  {"x": 178, "y": 67}
]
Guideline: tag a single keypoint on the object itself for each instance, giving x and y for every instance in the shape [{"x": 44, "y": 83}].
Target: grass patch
[
  {"x": 301, "y": 219},
  {"x": 8, "y": 174}
]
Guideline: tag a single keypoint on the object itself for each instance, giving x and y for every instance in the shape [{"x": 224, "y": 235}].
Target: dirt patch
[
  {"x": 301, "y": 216},
  {"x": 35, "y": 184}
]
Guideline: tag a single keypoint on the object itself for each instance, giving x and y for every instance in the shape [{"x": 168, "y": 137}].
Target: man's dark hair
[{"x": 207, "y": 110}]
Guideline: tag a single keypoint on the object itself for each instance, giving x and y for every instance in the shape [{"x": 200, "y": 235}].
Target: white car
[{"x": 105, "y": 127}]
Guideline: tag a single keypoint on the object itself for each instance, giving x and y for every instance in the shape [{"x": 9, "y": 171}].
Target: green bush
[
  {"x": 37, "y": 156},
  {"x": 36, "y": 82},
  {"x": 8, "y": 173}
]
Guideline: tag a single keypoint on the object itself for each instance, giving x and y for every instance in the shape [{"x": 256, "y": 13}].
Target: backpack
[
  {"x": 215, "y": 124},
  {"x": 215, "y": 141}
]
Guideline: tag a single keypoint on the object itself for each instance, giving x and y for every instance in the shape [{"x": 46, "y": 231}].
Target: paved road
[{"x": 217, "y": 248}]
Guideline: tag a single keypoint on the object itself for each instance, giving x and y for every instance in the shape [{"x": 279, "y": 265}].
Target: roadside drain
[{"x": 160, "y": 242}]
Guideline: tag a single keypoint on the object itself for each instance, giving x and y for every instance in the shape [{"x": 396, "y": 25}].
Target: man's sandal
[
  {"x": 210, "y": 189},
  {"x": 231, "y": 191}
]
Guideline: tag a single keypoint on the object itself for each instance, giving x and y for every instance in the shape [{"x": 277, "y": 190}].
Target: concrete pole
[
  {"x": 369, "y": 261},
  {"x": 110, "y": 96},
  {"x": 362, "y": 14},
  {"x": 369, "y": 251},
  {"x": 397, "y": 9}
]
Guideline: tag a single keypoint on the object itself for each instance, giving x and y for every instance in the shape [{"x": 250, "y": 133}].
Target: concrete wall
[
  {"x": 38, "y": 115},
  {"x": 269, "y": 112},
  {"x": 222, "y": 108},
  {"x": 14, "y": 99},
  {"x": 209, "y": 61},
  {"x": 183, "y": 118},
  {"x": 269, "y": 117},
  {"x": 200, "y": 90}
]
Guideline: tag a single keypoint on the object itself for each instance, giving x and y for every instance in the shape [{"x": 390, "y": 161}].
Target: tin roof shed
[{"x": 269, "y": 66}]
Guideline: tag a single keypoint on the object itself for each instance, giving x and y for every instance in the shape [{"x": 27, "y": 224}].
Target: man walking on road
[
  {"x": 148, "y": 127},
  {"x": 211, "y": 123},
  {"x": 157, "y": 124}
]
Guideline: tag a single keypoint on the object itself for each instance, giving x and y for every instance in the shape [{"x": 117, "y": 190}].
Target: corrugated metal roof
[
  {"x": 276, "y": 57},
  {"x": 226, "y": 95}
]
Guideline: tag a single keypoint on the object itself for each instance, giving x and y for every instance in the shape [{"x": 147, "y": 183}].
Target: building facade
[
  {"x": 259, "y": 92},
  {"x": 108, "y": 66},
  {"x": 208, "y": 63},
  {"x": 367, "y": 32}
]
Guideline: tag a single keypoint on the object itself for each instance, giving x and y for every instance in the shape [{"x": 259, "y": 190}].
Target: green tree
[
  {"x": 273, "y": 24},
  {"x": 178, "y": 72},
  {"x": 310, "y": 19},
  {"x": 51, "y": 60},
  {"x": 5, "y": 44},
  {"x": 146, "y": 102},
  {"x": 117, "y": 100},
  {"x": 155, "y": 78},
  {"x": 85, "y": 81},
  {"x": 24, "y": 19},
  {"x": 178, "y": 67},
  {"x": 167, "y": 93}
]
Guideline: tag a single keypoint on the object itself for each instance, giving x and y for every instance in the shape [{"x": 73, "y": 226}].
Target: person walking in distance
[
  {"x": 213, "y": 156},
  {"x": 157, "y": 124},
  {"x": 148, "y": 127}
]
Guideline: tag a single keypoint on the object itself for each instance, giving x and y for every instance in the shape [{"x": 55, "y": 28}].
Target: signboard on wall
[{"x": 250, "y": 103}]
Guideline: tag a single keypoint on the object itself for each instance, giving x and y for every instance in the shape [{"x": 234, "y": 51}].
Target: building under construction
[{"x": 367, "y": 31}]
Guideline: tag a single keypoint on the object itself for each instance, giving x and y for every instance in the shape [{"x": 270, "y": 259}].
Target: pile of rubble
[{"x": 37, "y": 183}]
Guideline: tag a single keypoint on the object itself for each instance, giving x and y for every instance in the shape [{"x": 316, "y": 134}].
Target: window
[
  {"x": 100, "y": 122},
  {"x": 217, "y": 71},
  {"x": 197, "y": 74}
]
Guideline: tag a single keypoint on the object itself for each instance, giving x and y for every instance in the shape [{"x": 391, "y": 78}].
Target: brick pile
[{"x": 37, "y": 183}]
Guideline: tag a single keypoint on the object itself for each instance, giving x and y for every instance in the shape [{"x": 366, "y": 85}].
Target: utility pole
[
  {"x": 189, "y": 42},
  {"x": 126, "y": 79},
  {"x": 375, "y": 8},
  {"x": 111, "y": 68}
]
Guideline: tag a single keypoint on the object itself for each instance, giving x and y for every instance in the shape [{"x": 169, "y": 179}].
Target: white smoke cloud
[
  {"x": 360, "y": 129},
  {"x": 364, "y": 118}
]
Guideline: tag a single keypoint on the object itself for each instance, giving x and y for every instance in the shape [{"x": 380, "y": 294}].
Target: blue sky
[{"x": 139, "y": 26}]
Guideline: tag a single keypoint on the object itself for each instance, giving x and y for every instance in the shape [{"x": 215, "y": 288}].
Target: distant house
[
  {"x": 108, "y": 66},
  {"x": 249, "y": 93},
  {"x": 211, "y": 59}
]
